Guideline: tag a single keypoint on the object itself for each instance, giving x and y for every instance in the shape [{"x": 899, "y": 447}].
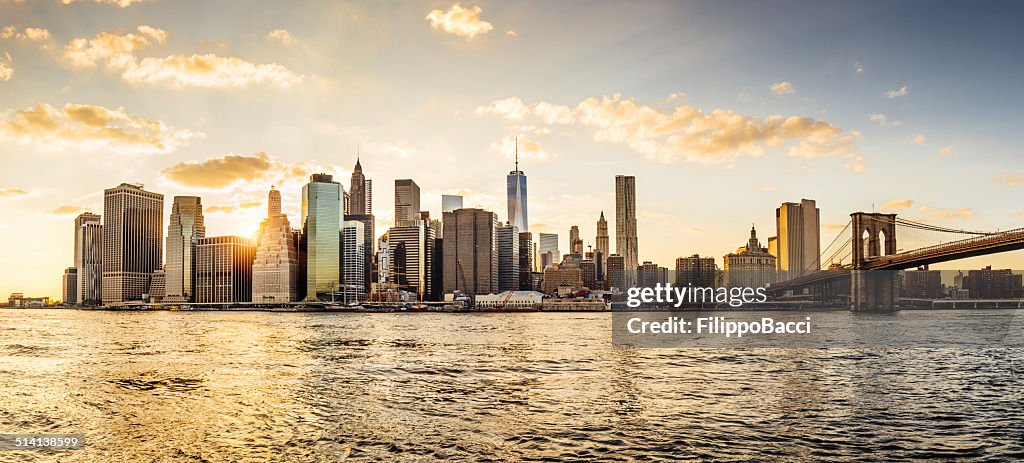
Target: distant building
[
  {"x": 353, "y": 253},
  {"x": 19, "y": 301},
  {"x": 407, "y": 201},
  {"x": 321, "y": 223},
  {"x": 696, "y": 271},
  {"x": 649, "y": 275},
  {"x": 525, "y": 260},
  {"x": 157, "y": 286},
  {"x": 133, "y": 235},
  {"x": 89, "y": 259},
  {"x": 992, "y": 284},
  {"x": 626, "y": 242},
  {"x": 184, "y": 229},
  {"x": 450, "y": 203},
  {"x": 751, "y": 266},
  {"x": 923, "y": 283},
  {"x": 69, "y": 286},
  {"x": 411, "y": 248},
  {"x": 507, "y": 236},
  {"x": 360, "y": 192},
  {"x": 517, "y": 216},
  {"x": 601, "y": 243},
  {"x": 588, "y": 272},
  {"x": 510, "y": 300},
  {"x": 275, "y": 271},
  {"x": 575, "y": 243},
  {"x": 470, "y": 251},
  {"x": 224, "y": 269},
  {"x": 561, "y": 280},
  {"x": 549, "y": 254},
  {"x": 616, "y": 274},
  {"x": 798, "y": 230}
]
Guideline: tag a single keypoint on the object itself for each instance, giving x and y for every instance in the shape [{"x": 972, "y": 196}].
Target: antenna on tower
[{"x": 517, "y": 154}]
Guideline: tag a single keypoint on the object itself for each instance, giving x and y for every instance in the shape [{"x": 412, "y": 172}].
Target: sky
[{"x": 721, "y": 110}]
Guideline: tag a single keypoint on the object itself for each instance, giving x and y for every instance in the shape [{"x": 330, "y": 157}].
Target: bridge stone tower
[{"x": 874, "y": 237}]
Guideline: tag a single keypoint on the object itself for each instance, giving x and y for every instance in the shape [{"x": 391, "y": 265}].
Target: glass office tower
[{"x": 321, "y": 224}]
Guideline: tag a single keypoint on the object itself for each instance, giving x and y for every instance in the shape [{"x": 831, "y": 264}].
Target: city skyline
[{"x": 191, "y": 135}]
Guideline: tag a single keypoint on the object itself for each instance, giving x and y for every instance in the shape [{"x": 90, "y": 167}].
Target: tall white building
[
  {"x": 625, "y": 227},
  {"x": 516, "y": 183},
  {"x": 353, "y": 254},
  {"x": 133, "y": 235},
  {"x": 89, "y": 258},
  {"x": 798, "y": 239},
  {"x": 751, "y": 266},
  {"x": 275, "y": 269},
  {"x": 184, "y": 229}
]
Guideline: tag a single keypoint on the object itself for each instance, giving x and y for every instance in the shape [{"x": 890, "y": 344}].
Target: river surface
[{"x": 307, "y": 387}]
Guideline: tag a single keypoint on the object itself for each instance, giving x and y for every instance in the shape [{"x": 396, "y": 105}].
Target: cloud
[
  {"x": 919, "y": 138},
  {"x": 858, "y": 68},
  {"x": 879, "y": 118},
  {"x": 231, "y": 208},
  {"x": 897, "y": 205},
  {"x": 940, "y": 213},
  {"x": 464, "y": 22},
  {"x": 119, "y": 54},
  {"x": 511, "y": 33},
  {"x": 13, "y": 193},
  {"x": 224, "y": 171},
  {"x": 6, "y": 71},
  {"x": 898, "y": 92},
  {"x": 120, "y": 3},
  {"x": 66, "y": 209},
  {"x": 676, "y": 96},
  {"x": 945, "y": 150},
  {"x": 282, "y": 36},
  {"x": 89, "y": 127},
  {"x": 782, "y": 88},
  {"x": 685, "y": 132},
  {"x": 1009, "y": 179},
  {"x": 32, "y": 34}
]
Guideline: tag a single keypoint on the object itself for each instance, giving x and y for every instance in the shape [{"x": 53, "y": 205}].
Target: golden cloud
[
  {"x": 528, "y": 149},
  {"x": 283, "y": 36},
  {"x": 119, "y": 54},
  {"x": 225, "y": 171},
  {"x": 89, "y": 127},
  {"x": 66, "y": 209},
  {"x": 6, "y": 72},
  {"x": 464, "y": 22},
  {"x": 919, "y": 138},
  {"x": 940, "y": 213},
  {"x": 34, "y": 34},
  {"x": 897, "y": 204},
  {"x": 13, "y": 192},
  {"x": 782, "y": 88},
  {"x": 1009, "y": 179},
  {"x": 228, "y": 209},
  {"x": 946, "y": 150},
  {"x": 689, "y": 133},
  {"x": 898, "y": 92}
]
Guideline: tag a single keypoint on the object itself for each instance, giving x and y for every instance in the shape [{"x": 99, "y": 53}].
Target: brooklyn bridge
[{"x": 871, "y": 249}]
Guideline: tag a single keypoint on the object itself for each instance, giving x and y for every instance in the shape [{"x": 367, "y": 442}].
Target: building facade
[
  {"x": 407, "y": 201},
  {"x": 575, "y": 242},
  {"x": 525, "y": 260},
  {"x": 69, "y": 286},
  {"x": 696, "y": 271},
  {"x": 798, "y": 232},
  {"x": 625, "y": 226},
  {"x": 449, "y": 203},
  {"x": 321, "y": 227},
  {"x": 601, "y": 243},
  {"x": 360, "y": 192},
  {"x": 224, "y": 269},
  {"x": 751, "y": 266},
  {"x": 411, "y": 247},
  {"x": 133, "y": 238},
  {"x": 275, "y": 268},
  {"x": 89, "y": 259},
  {"x": 516, "y": 183},
  {"x": 650, "y": 275},
  {"x": 470, "y": 251},
  {"x": 616, "y": 273},
  {"x": 508, "y": 257},
  {"x": 184, "y": 229},
  {"x": 353, "y": 254},
  {"x": 549, "y": 253}
]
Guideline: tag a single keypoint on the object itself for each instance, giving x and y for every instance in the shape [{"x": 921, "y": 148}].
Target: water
[{"x": 195, "y": 387}]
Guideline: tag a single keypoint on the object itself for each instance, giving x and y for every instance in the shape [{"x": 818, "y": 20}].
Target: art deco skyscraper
[
  {"x": 275, "y": 270},
  {"x": 625, "y": 227},
  {"x": 575, "y": 243},
  {"x": 360, "y": 192},
  {"x": 133, "y": 235},
  {"x": 184, "y": 229},
  {"x": 407, "y": 201},
  {"x": 89, "y": 258},
  {"x": 470, "y": 251},
  {"x": 362, "y": 211},
  {"x": 601, "y": 243},
  {"x": 321, "y": 225},
  {"x": 517, "y": 197},
  {"x": 798, "y": 239}
]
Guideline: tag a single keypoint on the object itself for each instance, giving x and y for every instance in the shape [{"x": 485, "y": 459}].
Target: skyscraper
[
  {"x": 625, "y": 226},
  {"x": 751, "y": 266},
  {"x": 450, "y": 203},
  {"x": 616, "y": 273},
  {"x": 549, "y": 253},
  {"x": 470, "y": 251},
  {"x": 361, "y": 192},
  {"x": 575, "y": 243},
  {"x": 89, "y": 258},
  {"x": 799, "y": 239},
  {"x": 525, "y": 261},
  {"x": 353, "y": 253},
  {"x": 407, "y": 201},
  {"x": 184, "y": 229},
  {"x": 224, "y": 269},
  {"x": 411, "y": 248},
  {"x": 601, "y": 244},
  {"x": 275, "y": 269},
  {"x": 516, "y": 183},
  {"x": 69, "y": 286},
  {"x": 321, "y": 225},
  {"x": 133, "y": 235},
  {"x": 508, "y": 257},
  {"x": 696, "y": 270}
]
